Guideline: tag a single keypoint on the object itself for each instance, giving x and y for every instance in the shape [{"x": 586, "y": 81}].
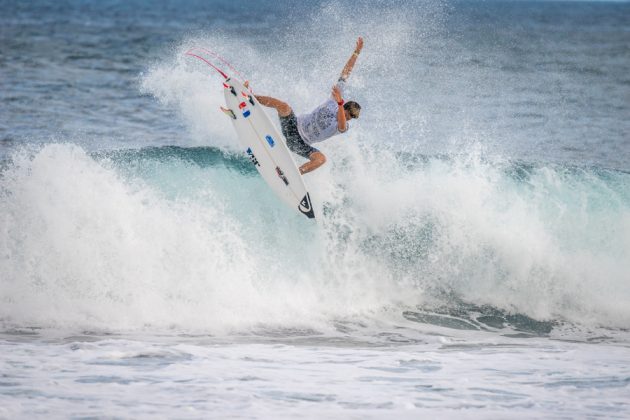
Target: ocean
[{"x": 471, "y": 252}]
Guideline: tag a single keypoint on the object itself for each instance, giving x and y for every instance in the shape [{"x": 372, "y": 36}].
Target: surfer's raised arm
[
  {"x": 341, "y": 114},
  {"x": 347, "y": 69}
]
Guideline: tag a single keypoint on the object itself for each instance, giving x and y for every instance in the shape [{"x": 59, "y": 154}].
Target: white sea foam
[
  {"x": 84, "y": 247},
  {"x": 102, "y": 243},
  {"x": 473, "y": 375}
]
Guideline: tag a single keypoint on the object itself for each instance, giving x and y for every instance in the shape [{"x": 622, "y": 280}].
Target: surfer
[{"x": 327, "y": 120}]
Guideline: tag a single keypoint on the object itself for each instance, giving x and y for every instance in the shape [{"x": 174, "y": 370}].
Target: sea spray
[{"x": 182, "y": 237}]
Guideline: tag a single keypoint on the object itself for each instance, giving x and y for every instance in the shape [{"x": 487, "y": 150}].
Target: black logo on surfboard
[
  {"x": 252, "y": 157},
  {"x": 282, "y": 176},
  {"x": 306, "y": 208}
]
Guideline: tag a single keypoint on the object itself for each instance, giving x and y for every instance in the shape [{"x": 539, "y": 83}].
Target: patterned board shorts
[{"x": 295, "y": 142}]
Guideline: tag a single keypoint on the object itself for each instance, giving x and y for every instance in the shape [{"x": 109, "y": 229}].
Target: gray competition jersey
[{"x": 322, "y": 122}]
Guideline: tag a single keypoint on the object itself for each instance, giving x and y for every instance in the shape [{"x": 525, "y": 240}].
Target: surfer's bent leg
[
  {"x": 283, "y": 108},
  {"x": 317, "y": 159},
  {"x": 297, "y": 145}
]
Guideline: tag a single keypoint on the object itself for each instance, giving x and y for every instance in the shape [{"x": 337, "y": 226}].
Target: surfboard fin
[
  {"x": 248, "y": 97},
  {"x": 230, "y": 88},
  {"x": 228, "y": 112}
]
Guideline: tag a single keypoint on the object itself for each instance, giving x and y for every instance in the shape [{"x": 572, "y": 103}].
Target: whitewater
[{"x": 471, "y": 252}]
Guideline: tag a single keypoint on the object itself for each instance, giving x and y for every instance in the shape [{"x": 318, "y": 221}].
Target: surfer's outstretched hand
[
  {"x": 347, "y": 69},
  {"x": 359, "y": 46}
]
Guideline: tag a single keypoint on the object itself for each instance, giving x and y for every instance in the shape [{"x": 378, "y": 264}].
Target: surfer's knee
[{"x": 317, "y": 157}]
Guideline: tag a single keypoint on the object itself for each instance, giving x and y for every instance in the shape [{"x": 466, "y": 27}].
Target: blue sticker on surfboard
[{"x": 270, "y": 141}]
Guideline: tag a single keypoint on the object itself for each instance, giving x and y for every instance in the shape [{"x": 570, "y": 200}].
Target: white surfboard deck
[{"x": 266, "y": 147}]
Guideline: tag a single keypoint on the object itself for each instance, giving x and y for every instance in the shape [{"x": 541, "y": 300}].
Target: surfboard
[{"x": 265, "y": 147}]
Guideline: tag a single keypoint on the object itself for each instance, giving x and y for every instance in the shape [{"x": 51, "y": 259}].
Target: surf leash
[
  {"x": 223, "y": 60},
  {"x": 198, "y": 53},
  {"x": 225, "y": 76}
]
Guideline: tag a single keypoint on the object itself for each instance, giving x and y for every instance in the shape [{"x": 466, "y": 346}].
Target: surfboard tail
[{"x": 306, "y": 208}]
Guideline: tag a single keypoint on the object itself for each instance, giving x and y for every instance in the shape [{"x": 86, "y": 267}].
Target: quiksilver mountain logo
[{"x": 306, "y": 208}]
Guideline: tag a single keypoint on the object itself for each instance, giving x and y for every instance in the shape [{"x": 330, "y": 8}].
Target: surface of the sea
[{"x": 471, "y": 252}]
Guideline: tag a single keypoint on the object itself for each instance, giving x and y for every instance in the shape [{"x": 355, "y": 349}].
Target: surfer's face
[{"x": 352, "y": 115}]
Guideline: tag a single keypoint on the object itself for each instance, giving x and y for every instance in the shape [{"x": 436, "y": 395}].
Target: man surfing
[{"x": 327, "y": 120}]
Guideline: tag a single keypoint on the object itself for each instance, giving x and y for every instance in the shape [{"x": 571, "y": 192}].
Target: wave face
[{"x": 194, "y": 239}]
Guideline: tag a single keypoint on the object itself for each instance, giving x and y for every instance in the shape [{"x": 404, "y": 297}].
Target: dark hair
[{"x": 353, "y": 108}]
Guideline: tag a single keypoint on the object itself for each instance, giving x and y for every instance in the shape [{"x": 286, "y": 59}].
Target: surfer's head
[{"x": 353, "y": 109}]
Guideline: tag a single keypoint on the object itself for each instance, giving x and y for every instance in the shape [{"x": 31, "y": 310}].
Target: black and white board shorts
[{"x": 295, "y": 142}]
